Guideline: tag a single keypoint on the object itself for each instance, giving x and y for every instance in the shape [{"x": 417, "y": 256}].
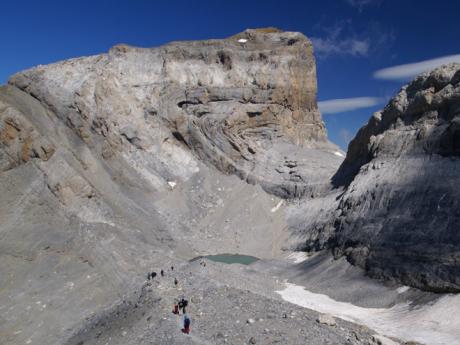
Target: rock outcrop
[
  {"x": 239, "y": 104},
  {"x": 399, "y": 214}
]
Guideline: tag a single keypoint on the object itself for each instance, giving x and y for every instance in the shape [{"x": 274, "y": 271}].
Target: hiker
[
  {"x": 154, "y": 274},
  {"x": 162, "y": 273},
  {"x": 183, "y": 303},
  {"x": 187, "y": 322},
  {"x": 175, "y": 281},
  {"x": 172, "y": 268},
  {"x": 148, "y": 276},
  {"x": 176, "y": 308}
]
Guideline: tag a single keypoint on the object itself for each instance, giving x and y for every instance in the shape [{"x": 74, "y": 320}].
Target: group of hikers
[
  {"x": 152, "y": 275},
  {"x": 179, "y": 304}
]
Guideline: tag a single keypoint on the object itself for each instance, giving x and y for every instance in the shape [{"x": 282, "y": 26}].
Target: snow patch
[
  {"x": 242, "y": 40},
  {"x": 172, "y": 184},
  {"x": 278, "y": 205},
  {"x": 338, "y": 153},
  {"x": 437, "y": 323},
  {"x": 298, "y": 257},
  {"x": 383, "y": 340},
  {"x": 402, "y": 289}
]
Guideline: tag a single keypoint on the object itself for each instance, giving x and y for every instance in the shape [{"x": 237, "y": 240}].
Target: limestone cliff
[
  {"x": 399, "y": 214},
  {"x": 242, "y": 104},
  {"x": 108, "y": 169}
]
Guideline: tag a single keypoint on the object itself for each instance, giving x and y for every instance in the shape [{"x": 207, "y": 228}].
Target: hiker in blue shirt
[{"x": 187, "y": 322}]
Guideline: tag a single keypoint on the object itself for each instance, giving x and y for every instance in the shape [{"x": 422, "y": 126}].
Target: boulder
[{"x": 326, "y": 319}]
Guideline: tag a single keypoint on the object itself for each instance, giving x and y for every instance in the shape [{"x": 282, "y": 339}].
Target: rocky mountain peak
[
  {"x": 230, "y": 101},
  {"x": 398, "y": 214}
]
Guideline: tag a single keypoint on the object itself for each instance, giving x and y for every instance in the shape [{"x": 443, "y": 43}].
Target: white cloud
[
  {"x": 410, "y": 70},
  {"x": 340, "y": 39},
  {"x": 341, "y": 105},
  {"x": 343, "y": 39},
  {"x": 335, "y": 46}
]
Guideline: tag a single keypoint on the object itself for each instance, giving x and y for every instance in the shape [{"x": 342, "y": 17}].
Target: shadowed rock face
[
  {"x": 399, "y": 214},
  {"x": 242, "y": 104}
]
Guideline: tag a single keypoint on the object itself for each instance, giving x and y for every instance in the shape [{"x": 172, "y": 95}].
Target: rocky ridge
[{"x": 398, "y": 214}]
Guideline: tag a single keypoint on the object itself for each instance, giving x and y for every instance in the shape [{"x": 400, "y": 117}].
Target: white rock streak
[{"x": 278, "y": 205}]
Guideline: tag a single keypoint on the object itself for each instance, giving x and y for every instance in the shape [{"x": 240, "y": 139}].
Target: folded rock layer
[{"x": 241, "y": 104}]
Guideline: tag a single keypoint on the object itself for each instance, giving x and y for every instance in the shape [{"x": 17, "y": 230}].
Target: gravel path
[{"x": 228, "y": 304}]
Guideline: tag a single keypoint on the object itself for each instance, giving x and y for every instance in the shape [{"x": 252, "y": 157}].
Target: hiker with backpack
[
  {"x": 183, "y": 303},
  {"x": 187, "y": 322},
  {"x": 176, "y": 308}
]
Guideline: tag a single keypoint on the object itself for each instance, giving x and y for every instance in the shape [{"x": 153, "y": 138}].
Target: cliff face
[
  {"x": 399, "y": 214},
  {"x": 238, "y": 104}
]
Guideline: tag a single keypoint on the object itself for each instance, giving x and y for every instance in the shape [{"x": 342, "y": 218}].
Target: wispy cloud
[
  {"x": 333, "y": 46},
  {"x": 342, "y": 105},
  {"x": 360, "y": 4},
  {"x": 411, "y": 70},
  {"x": 341, "y": 39}
]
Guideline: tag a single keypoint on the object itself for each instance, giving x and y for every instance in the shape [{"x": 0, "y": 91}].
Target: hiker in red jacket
[{"x": 176, "y": 308}]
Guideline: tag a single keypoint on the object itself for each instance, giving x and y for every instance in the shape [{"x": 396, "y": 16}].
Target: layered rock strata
[{"x": 241, "y": 104}]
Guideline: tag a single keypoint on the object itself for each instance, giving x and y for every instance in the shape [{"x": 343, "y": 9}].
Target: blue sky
[{"x": 353, "y": 39}]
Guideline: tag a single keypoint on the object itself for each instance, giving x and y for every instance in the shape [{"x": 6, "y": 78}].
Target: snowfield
[{"x": 432, "y": 324}]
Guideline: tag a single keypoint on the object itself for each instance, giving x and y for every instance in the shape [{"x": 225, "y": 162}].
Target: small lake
[{"x": 229, "y": 258}]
